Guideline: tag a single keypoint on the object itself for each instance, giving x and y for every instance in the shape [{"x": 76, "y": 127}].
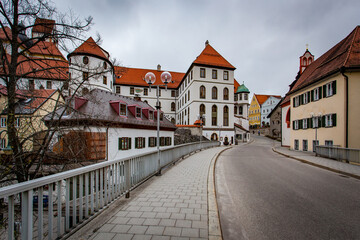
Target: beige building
[{"x": 325, "y": 99}]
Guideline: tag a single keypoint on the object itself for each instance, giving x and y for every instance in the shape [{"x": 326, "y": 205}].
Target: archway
[{"x": 214, "y": 137}]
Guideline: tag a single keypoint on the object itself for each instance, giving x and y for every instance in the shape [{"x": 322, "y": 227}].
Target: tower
[{"x": 305, "y": 60}]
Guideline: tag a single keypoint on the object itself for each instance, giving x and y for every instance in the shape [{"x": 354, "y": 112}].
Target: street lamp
[
  {"x": 8, "y": 149},
  {"x": 150, "y": 79},
  {"x": 201, "y": 118}
]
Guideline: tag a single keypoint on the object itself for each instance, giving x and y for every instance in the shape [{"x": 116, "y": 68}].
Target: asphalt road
[{"x": 263, "y": 195}]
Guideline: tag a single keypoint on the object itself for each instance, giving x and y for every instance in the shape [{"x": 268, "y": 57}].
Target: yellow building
[
  {"x": 255, "y": 109},
  {"x": 325, "y": 99}
]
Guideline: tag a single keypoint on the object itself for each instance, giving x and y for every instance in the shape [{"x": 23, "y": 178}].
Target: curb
[
  {"x": 318, "y": 165},
  {"x": 215, "y": 232}
]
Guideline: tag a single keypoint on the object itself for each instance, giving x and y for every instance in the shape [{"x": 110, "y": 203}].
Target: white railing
[
  {"x": 52, "y": 206},
  {"x": 338, "y": 153}
]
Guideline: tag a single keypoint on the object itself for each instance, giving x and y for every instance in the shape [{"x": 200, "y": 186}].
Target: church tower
[{"x": 305, "y": 60}]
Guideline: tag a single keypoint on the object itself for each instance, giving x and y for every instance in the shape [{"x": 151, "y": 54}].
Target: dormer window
[
  {"x": 138, "y": 112},
  {"x": 161, "y": 116},
  {"x": 151, "y": 115},
  {"x": 122, "y": 110},
  {"x": 85, "y": 60}
]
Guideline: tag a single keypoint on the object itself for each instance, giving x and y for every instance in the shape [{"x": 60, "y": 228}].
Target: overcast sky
[{"x": 263, "y": 39}]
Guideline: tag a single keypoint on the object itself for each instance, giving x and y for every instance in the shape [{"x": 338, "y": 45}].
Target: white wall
[{"x": 285, "y": 131}]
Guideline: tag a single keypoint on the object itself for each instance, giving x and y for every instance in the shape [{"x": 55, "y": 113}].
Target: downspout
[{"x": 342, "y": 71}]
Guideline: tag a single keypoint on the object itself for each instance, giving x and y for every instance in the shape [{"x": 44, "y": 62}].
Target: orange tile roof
[
  {"x": 210, "y": 57},
  {"x": 46, "y": 48},
  {"x": 90, "y": 47},
  {"x": 39, "y": 97},
  {"x": 43, "y": 25},
  {"x": 345, "y": 54},
  {"x": 134, "y": 77},
  {"x": 236, "y": 85},
  {"x": 261, "y": 98}
]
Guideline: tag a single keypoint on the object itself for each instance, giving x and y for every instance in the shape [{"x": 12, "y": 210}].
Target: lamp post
[
  {"x": 201, "y": 118},
  {"x": 8, "y": 149},
  {"x": 150, "y": 79}
]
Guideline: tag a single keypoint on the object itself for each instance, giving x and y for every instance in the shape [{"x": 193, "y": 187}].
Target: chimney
[
  {"x": 206, "y": 43},
  {"x": 159, "y": 67}
]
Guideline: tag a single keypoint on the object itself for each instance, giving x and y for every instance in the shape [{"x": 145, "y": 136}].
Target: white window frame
[
  {"x": 328, "y": 120},
  {"x": 316, "y": 94},
  {"x": 329, "y": 90},
  {"x": 306, "y": 99},
  {"x": 305, "y": 126},
  {"x": 120, "y": 109},
  {"x": 2, "y": 143},
  {"x": 297, "y": 101},
  {"x": 315, "y": 122},
  {"x": 3, "y": 122},
  {"x": 296, "y": 124}
]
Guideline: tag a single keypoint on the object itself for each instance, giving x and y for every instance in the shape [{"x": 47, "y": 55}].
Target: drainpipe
[{"x": 342, "y": 71}]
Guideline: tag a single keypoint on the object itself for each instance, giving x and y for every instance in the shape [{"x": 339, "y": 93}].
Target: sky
[{"x": 263, "y": 39}]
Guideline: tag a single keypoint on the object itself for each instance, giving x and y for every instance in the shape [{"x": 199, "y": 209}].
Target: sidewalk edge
[
  {"x": 318, "y": 165},
  {"x": 215, "y": 232}
]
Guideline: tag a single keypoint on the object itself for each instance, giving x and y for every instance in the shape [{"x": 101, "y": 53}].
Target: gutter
[{"x": 342, "y": 71}]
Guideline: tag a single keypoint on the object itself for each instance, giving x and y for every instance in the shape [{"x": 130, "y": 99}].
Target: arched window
[
  {"x": 226, "y": 94},
  {"x": 214, "y": 137},
  {"x": 235, "y": 109},
  {"x": 304, "y": 61},
  {"x": 240, "y": 110},
  {"x": 202, "y": 92},
  {"x": 214, "y": 115},
  {"x": 202, "y": 112},
  {"x": 85, "y": 60},
  {"x": 226, "y": 116},
  {"x": 310, "y": 60},
  {"x": 172, "y": 106},
  {"x": 214, "y": 93}
]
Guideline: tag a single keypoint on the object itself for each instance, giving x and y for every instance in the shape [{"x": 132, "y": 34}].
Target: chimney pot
[{"x": 159, "y": 67}]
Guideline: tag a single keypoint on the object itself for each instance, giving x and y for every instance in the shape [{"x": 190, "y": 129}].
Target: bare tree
[{"x": 22, "y": 57}]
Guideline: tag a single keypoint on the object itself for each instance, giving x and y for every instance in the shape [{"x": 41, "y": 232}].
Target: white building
[{"x": 267, "y": 107}]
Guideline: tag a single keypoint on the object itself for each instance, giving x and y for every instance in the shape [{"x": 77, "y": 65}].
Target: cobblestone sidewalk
[{"x": 174, "y": 206}]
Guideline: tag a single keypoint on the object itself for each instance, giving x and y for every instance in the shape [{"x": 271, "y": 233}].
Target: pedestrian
[{"x": 259, "y": 132}]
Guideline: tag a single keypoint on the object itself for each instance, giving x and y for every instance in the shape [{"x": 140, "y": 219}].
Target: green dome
[{"x": 242, "y": 89}]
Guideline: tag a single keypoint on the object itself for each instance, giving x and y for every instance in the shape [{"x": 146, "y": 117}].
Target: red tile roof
[
  {"x": 261, "y": 98},
  {"x": 43, "y": 25},
  {"x": 3, "y": 91},
  {"x": 134, "y": 77},
  {"x": 46, "y": 48},
  {"x": 39, "y": 96},
  {"x": 91, "y": 47},
  {"x": 345, "y": 54},
  {"x": 236, "y": 85},
  {"x": 210, "y": 57}
]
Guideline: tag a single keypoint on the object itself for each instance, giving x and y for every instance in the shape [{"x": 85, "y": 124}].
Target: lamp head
[
  {"x": 166, "y": 77},
  {"x": 150, "y": 78}
]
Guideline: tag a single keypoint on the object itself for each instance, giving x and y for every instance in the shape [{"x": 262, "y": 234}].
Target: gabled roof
[
  {"x": 210, "y": 57},
  {"x": 134, "y": 77},
  {"x": 261, "y": 98},
  {"x": 43, "y": 25},
  {"x": 90, "y": 47},
  {"x": 3, "y": 91},
  {"x": 236, "y": 85},
  {"x": 345, "y": 54},
  {"x": 46, "y": 49}
]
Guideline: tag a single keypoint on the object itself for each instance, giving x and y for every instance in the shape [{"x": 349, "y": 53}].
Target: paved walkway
[
  {"x": 174, "y": 206},
  {"x": 330, "y": 164}
]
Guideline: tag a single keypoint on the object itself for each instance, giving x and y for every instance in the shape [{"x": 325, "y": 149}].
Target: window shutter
[
  {"x": 129, "y": 143},
  {"x": 323, "y": 121},
  {"x": 320, "y": 92},
  {"x": 333, "y": 119},
  {"x": 137, "y": 142},
  {"x": 143, "y": 142},
  {"x": 293, "y": 102},
  {"x": 120, "y": 143},
  {"x": 300, "y": 124},
  {"x": 293, "y": 125},
  {"x": 324, "y": 91},
  {"x": 149, "y": 141},
  {"x": 301, "y": 99},
  {"x": 319, "y": 122},
  {"x": 308, "y": 93},
  {"x": 312, "y": 95},
  {"x": 334, "y": 87},
  {"x": 310, "y": 125},
  {"x": 155, "y": 141}
]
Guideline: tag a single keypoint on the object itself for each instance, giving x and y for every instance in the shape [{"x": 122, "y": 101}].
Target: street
[{"x": 263, "y": 195}]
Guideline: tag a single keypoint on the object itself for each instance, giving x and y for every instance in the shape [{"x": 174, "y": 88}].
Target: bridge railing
[
  {"x": 339, "y": 153},
  {"x": 53, "y": 206}
]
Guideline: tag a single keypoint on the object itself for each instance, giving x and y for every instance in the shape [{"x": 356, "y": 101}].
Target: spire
[{"x": 306, "y": 59}]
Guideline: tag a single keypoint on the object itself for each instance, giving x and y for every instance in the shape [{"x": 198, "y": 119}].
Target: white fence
[
  {"x": 338, "y": 153},
  {"x": 53, "y": 206}
]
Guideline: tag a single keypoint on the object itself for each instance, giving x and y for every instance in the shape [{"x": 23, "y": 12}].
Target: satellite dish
[
  {"x": 150, "y": 78},
  {"x": 166, "y": 77}
]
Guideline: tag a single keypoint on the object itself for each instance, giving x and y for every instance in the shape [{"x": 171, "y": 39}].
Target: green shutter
[
  {"x": 301, "y": 99},
  {"x": 333, "y": 116},
  {"x": 120, "y": 143},
  {"x": 323, "y": 121},
  {"x": 129, "y": 143},
  {"x": 293, "y": 125},
  {"x": 143, "y": 142},
  {"x": 312, "y": 95},
  {"x": 300, "y": 124},
  {"x": 149, "y": 141},
  {"x": 309, "y": 97},
  {"x": 320, "y": 92},
  {"x": 324, "y": 91},
  {"x": 334, "y": 87},
  {"x": 136, "y": 142},
  {"x": 310, "y": 123}
]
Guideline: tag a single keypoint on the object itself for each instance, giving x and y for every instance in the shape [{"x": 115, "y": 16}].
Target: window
[
  {"x": 296, "y": 144},
  {"x": 189, "y": 95},
  {"x": 329, "y": 89},
  {"x": 191, "y": 75},
  {"x": 185, "y": 97},
  {"x": 2, "y": 143},
  {"x": 226, "y": 94},
  {"x": 214, "y": 93},
  {"x": 167, "y": 141},
  {"x": 145, "y": 92},
  {"x": 330, "y": 120},
  {"x": 105, "y": 65},
  {"x": 124, "y": 143},
  {"x": 202, "y": 72},
  {"x": 214, "y": 74},
  {"x": 305, "y": 123},
  {"x": 316, "y": 94},
  {"x": 132, "y": 90},
  {"x": 172, "y": 93},
  {"x": 48, "y": 85},
  {"x": 152, "y": 141},
  {"x": 31, "y": 85},
  {"x": 138, "y": 112},
  {"x": 328, "y": 143},
  {"x": 17, "y": 122},
  {"x": 214, "y": 115},
  {"x": 296, "y": 101},
  {"x": 306, "y": 97},
  {"x": 235, "y": 97},
  {"x": 202, "y": 92},
  {"x": 202, "y": 112},
  {"x": 226, "y": 75},
  {"x": 235, "y": 109},
  {"x": 105, "y": 80},
  {"x": 296, "y": 124},
  {"x": 3, "y": 122},
  {"x": 151, "y": 115},
  {"x": 172, "y": 106},
  {"x": 118, "y": 89},
  {"x": 161, "y": 116},
  {"x": 85, "y": 60},
  {"x": 162, "y": 141},
  {"x": 123, "y": 110},
  {"x": 85, "y": 76},
  {"x": 226, "y": 116},
  {"x": 245, "y": 96},
  {"x": 305, "y": 145},
  {"x": 139, "y": 142},
  {"x": 240, "y": 110}
]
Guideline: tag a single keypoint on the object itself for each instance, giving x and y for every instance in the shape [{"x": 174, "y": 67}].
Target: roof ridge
[{"x": 351, "y": 45}]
